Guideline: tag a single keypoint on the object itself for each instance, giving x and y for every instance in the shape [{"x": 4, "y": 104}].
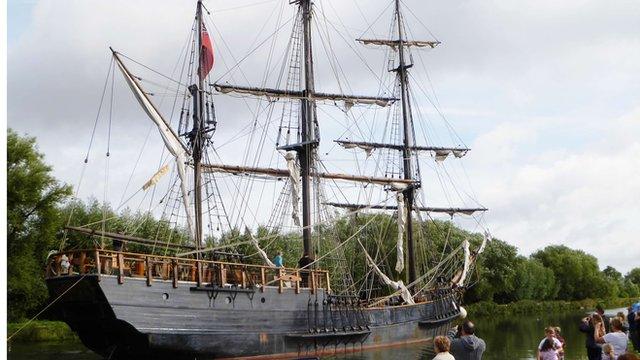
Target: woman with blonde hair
[
  {"x": 441, "y": 345},
  {"x": 598, "y": 328}
]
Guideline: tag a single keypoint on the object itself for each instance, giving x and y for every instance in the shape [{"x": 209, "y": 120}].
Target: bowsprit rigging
[{"x": 205, "y": 285}]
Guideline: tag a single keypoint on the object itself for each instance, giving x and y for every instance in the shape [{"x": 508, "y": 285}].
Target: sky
[{"x": 545, "y": 93}]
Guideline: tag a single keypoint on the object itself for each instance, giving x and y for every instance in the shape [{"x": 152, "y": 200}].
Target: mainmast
[
  {"x": 197, "y": 134},
  {"x": 409, "y": 192},
  {"x": 308, "y": 142}
]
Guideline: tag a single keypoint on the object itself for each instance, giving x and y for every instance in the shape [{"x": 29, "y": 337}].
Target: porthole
[
  {"x": 228, "y": 300},
  {"x": 262, "y": 300},
  {"x": 165, "y": 296}
]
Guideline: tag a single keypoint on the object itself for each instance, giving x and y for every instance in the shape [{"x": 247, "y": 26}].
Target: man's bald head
[{"x": 468, "y": 328}]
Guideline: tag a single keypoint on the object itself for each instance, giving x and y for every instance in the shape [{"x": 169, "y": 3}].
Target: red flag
[{"x": 206, "y": 53}]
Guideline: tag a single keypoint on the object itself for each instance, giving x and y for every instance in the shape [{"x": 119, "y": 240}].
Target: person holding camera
[
  {"x": 593, "y": 327},
  {"x": 464, "y": 344}
]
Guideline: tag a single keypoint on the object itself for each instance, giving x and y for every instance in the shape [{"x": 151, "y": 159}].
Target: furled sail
[
  {"x": 170, "y": 138},
  {"x": 156, "y": 177},
  {"x": 400, "y": 241},
  {"x": 396, "y": 285},
  {"x": 441, "y": 153},
  {"x": 397, "y": 184},
  {"x": 395, "y": 43},
  {"x": 467, "y": 263},
  {"x": 451, "y": 211},
  {"x": 261, "y": 252},
  {"x": 485, "y": 239},
  {"x": 294, "y": 180},
  {"x": 276, "y": 94}
]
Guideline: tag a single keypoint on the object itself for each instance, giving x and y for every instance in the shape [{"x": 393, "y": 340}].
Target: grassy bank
[
  {"x": 41, "y": 331},
  {"x": 487, "y": 308}
]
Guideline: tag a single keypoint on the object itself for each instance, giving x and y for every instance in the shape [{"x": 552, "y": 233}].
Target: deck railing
[{"x": 201, "y": 272}]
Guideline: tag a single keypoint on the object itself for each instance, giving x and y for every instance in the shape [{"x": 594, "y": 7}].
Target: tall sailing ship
[{"x": 220, "y": 295}]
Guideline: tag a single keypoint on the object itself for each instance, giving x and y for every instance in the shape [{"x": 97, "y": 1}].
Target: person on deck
[
  {"x": 464, "y": 344},
  {"x": 303, "y": 264},
  {"x": 118, "y": 245},
  {"x": 277, "y": 261}
]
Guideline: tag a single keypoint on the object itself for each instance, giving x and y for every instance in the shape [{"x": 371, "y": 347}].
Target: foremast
[{"x": 197, "y": 135}]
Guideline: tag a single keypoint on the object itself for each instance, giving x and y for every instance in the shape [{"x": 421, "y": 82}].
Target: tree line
[{"x": 38, "y": 207}]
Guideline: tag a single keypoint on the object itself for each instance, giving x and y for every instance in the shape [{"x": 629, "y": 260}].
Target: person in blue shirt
[{"x": 277, "y": 261}]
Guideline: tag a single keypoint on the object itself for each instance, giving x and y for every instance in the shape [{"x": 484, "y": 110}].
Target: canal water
[{"x": 506, "y": 337}]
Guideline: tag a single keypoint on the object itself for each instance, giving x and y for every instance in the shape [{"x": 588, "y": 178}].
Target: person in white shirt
[
  {"x": 441, "y": 345},
  {"x": 616, "y": 338}
]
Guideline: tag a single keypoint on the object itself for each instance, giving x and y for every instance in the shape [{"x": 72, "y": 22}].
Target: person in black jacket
[{"x": 594, "y": 351}]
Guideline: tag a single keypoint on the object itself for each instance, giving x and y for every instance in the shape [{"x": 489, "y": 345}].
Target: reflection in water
[
  {"x": 40, "y": 351},
  {"x": 507, "y": 338}
]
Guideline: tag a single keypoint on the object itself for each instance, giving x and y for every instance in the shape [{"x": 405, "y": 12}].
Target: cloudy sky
[{"x": 546, "y": 93}]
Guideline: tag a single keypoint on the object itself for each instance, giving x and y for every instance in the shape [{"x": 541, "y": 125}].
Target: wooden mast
[
  {"x": 406, "y": 149},
  {"x": 197, "y": 133},
  {"x": 306, "y": 149}
]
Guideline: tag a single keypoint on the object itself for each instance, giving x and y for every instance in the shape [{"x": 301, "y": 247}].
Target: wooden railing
[{"x": 202, "y": 272}]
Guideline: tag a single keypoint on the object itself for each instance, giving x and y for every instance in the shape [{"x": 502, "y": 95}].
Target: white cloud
[
  {"x": 544, "y": 91},
  {"x": 588, "y": 198}
]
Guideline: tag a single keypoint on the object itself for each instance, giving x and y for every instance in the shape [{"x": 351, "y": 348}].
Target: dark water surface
[{"x": 507, "y": 338}]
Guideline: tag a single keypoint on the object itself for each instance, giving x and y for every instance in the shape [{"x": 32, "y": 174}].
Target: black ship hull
[{"x": 122, "y": 320}]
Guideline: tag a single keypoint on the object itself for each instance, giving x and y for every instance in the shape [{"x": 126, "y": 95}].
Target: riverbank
[
  {"x": 530, "y": 307},
  {"x": 41, "y": 331}
]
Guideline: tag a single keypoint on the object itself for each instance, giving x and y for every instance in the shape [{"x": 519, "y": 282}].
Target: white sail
[
  {"x": 485, "y": 239},
  {"x": 396, "y": 285},
  {"x": 170, "y": 138},
  {"x": 400, "y": 241},
  {"x": 261, "y": 252},
  {"x": 156, "y": 177},
  {"x": 294, "y": 179},
  {"x": 467, "y": 263}
]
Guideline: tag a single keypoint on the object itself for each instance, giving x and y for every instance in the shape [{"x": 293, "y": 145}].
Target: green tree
[
  {"x": 612, "y": 274},
  {"x": 533, "y": 281},
  {"x": 634, "y": 276},
  {"x": 496, "y": 274},
  {"x": 577, "y": 273},
  {"x": 33, "y": 220}
]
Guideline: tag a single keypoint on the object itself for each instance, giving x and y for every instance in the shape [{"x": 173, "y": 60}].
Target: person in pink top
[
  {"x": 550, "y": 336},
  {"x": 548, "y": 350}
]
